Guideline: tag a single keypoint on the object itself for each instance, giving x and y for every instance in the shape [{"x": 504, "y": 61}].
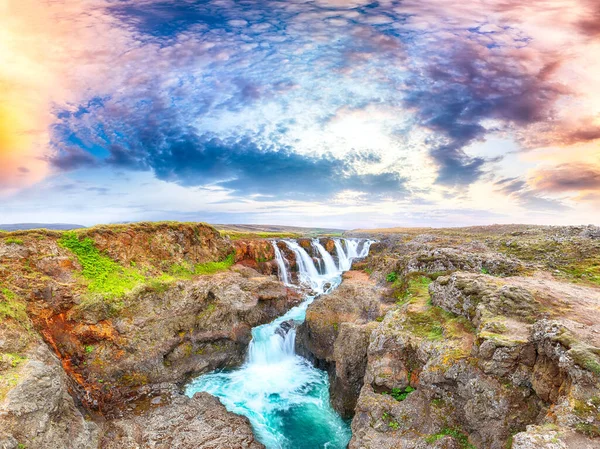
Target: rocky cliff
[
  {"x": 481, "y": 338},
  {"x": 99, "y": 329}
]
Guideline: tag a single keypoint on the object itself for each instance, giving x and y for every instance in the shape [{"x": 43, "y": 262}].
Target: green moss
[
  {"x": 391, "y": 422},
  {"x": 589, "y": 430},
  {"x": 415, "y": 286},
  {"x": 161, "y": 283},
  {"x": 103, "y": 274},
  {"x": 88, "y": 349},
  {"x": 13, "y": 241},
  {"x": 400, "y": 394},
  {"x": 207, "y": 312},
  {"x": 455, "y": 433},
  {"x": 428, "y": 324},
  {"x": 586, "y": 359}
]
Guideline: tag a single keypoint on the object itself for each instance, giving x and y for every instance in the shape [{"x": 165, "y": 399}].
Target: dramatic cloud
[
  {"x": 353, "y": 103},
  {"x": 568, "y": 178}
]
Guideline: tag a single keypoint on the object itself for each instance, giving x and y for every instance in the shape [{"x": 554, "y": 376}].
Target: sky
[{"x": 339, "y": 113}]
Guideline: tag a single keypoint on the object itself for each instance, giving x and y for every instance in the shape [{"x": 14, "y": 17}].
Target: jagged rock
[
  {"x": 590, "y": 232},
  {"x": 336, "y": 332},
  {"x": 39, "y": 412},
  {"x": 200, "y": 422},
  {"x": 285, "y": 327}
]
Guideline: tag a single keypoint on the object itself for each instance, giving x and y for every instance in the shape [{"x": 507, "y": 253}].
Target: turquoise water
[{"x": 285, "y": 398}]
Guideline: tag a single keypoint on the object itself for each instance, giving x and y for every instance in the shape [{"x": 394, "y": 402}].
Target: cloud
[
  {"x": 568, "y": 178},
  {"x": 467, "y": 84},
  {"x": 526, "y": 197},
  {"x": 72, "y": 158}
]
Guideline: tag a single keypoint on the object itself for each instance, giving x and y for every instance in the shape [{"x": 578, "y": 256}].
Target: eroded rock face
[
  {"x": 510, "y": 369},
  {"x": 336, "y": 332},
  {"x": 39, "y": 412},
  {"x": 168, "y": 334},
  {"x": 79, "y": 368},
  {"x": 493, "y": 352},
  {"x": 200, "y": 422}
]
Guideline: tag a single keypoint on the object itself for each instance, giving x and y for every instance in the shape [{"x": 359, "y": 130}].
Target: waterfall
[
  {"x": 307, "y": 271},
  {"x": 344, "y": 262},
  {"x": 364, "y": 252},
  {"x": 283, "y": 395},
  {"x": 330, "y": 268},
  {"x": 283, "y": 274}
]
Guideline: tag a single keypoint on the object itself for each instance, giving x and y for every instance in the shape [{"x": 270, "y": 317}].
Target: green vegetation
[
  {"x": 415, "y": 287},
  {"x": 585, "y": 271},
  {"x": 424, "y": 319},
  {"x": 88, "y": 349},
  {"x": 484, "y": 270},
  {"x": 392, "y": 277},
  {"x": 213, "y": 267},
  {"x": 186, "y": 271},
  {"x": 13, "y": 241},
  {"x": 589, "y": 430},
  {"x": 576, "y": 260},
  {"x": 112, "y": 281},
  {"x": 104, "y": 275},
  {"x": 11, "y": 360},
  {"x": 455, "y": 433},
  {"x": 391, "y": 422},
  {"x": 400, "y": 394},
  {"x": 11, "y": 307}
]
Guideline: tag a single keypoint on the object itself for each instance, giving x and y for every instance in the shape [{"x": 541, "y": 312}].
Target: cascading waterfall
[
  {"x": 285, "y": 398},
  {"x": 345, "y": 257},
  {"x": 283, "y": 274},
  {"x": 330, "y": 267}
]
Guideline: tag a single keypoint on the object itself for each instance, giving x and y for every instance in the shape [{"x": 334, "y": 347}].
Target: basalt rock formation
[
  {"x": 484, "y": 338},
  {"x": 99, "y": 329}
]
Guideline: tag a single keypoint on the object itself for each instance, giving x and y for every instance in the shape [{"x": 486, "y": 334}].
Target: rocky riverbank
[{"x": 466, "y": 338}]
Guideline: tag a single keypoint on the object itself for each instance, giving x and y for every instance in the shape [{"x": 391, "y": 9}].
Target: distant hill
[
  {"x": 276, "y": 229},
  {"x": 26, "y": 226}
]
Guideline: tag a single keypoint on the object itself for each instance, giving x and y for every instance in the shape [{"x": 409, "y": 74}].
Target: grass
[
  {"x": 9, "y": 376},
  {"x": 103, "y": 274},
  {"x": 455, "y": 433},
  {"x": 213, "y": 267},
  {"x": 12, "y": 360},
  {"x": 186, "y": 271},
  {"x": 13, "y": 241}
]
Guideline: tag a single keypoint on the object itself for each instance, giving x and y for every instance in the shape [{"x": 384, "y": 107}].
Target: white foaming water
[
  {"x": 345, "y": 257},
  {"x": 285, "y": 398},
  {"x": 283, "y": 274},
  {"x": 330, "y": 268},
  {"x": 307, "y": 271}
]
